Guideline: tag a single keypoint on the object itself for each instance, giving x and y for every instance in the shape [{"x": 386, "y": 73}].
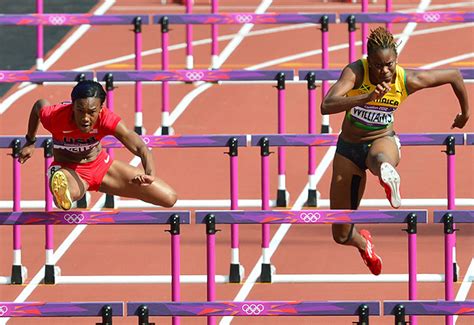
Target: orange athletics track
[{"x": 203, "y": 174}]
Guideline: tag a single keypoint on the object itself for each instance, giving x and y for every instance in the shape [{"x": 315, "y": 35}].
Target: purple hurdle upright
[
  {"x": 110, "y": 101},
  {"x": 49, "y": 269},
  {"x": 281, "y": 189},
  {"x": 18, "y": 271},
  {"x": 236, "y": 270},
  {"x": 189, "y": 37},
  {"x": 214, "y": 37},
  {"x": 364, "y": 28},
  {"x": 388, "y": 9},
  {"x": 39, "y": 38},
  {"x": 311, "y": 76},
  {"x": 325, "y": 20},
  {"x": 137, "y": 24},
  {"x": 449, "y": 218},
  {"x": 266, "y": 271},
  {"x": 165, "y": 92}
]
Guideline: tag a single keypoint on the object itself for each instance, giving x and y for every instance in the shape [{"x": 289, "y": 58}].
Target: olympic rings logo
[
  {"x": 194, "y": 75},
  {"x": 146, "y": 140},
  {"x": 74, "y": 217},
  {"x": 3, "y": 310},
  {"x": 253, "y": 309},
  {"x": 2, "y": 76},
  {"x": 244, "y": 19},
  {"x": 431, "y": 17},
  {"x": 57, "y": 20},
  {"x": 310, "y": 217}
]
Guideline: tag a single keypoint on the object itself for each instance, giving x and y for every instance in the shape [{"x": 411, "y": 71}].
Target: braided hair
[
  {"x": 380, "y": 38},
  {"x": 88, "y": 88}
]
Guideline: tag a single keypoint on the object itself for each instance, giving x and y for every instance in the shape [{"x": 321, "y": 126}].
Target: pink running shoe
[
  {"x": 372, "y": 260},
  {"x": 390, "y": 180}
]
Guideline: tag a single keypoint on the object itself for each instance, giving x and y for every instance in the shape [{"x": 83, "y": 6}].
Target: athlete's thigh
[
  {"x": 386, "y": 149},
  {"x": 347, "y": 184},
  {"x": 117, "y": 181}
]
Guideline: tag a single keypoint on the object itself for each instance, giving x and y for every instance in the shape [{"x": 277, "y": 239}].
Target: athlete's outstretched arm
[
  {"x": 135, "y": 145},
  {"x": 336, "y": 100},
  {"x": 33, "y": 123},
  {"x": 421, "y": 79}
]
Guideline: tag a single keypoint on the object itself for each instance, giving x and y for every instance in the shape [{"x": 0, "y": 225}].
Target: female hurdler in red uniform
[{"x": 80, "y": 163}]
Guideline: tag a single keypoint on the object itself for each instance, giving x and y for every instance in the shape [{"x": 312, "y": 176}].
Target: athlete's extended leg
[
  {"x": 383, "y": 157},
  {"x": 66, "y": 187},
  {"x": 117, "y": 181},
  {"x": 347, "y": 187}
]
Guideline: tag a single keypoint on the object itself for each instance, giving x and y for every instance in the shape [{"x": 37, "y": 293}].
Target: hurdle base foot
[
  {"x": 236, "y": 273},
  {"x": 326, "y": 129},
  {"x": 50, "y": 274},
  {"x": 166, "y": 130},
  {"x": 266, "y": 273},
  {"x": 19, "y": 274},
  {"x": 109, "y": 201},
  {"x": 82, "y": 202},
  {"x": 312, "y": 199},
  {"x": 455, "y": 272},
  {"x": 139, "y": 130},
  {"x": 281, "y": 198}
]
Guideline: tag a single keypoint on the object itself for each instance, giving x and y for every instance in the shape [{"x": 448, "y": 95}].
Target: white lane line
[
  {"x": 465, "y": 286},
  {"x": 249, "y": 282},
  {"x": 449, "y": 60}
]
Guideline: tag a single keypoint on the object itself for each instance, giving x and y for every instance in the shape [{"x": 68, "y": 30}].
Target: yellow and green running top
[{"x": 378, "y": 114}]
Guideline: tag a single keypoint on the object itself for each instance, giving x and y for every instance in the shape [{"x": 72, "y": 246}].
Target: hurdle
[
  {"x": 80, "y": 19},
  {"x": 172, "y": 218},
  {"x": 310, "y": 140},
  {"x": 395, "y": 17},
  {"x": 233, "y": 142},
  {"x": 362, "y": 309},
  {"x": 19, "y": 272},
  {"x": 426, "y": 307},
  {"x": 449, "y": 218},
  {"x": 311, "y": 76},
  {"x": 240, "y": 18},
  {"x": 280, "y": 76},
  {"x": 266, "y": 218},
  {"x": 106, "y": 310},
  {"x": 470, "y": 139}
]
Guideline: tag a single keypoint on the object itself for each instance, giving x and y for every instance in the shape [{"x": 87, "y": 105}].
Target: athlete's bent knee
[
  {"x": 343, "y": 237},
  {"x": 169, "y": 200}
]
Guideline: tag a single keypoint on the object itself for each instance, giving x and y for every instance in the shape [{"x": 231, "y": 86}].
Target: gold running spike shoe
[{"x": 60, "y": 189}]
